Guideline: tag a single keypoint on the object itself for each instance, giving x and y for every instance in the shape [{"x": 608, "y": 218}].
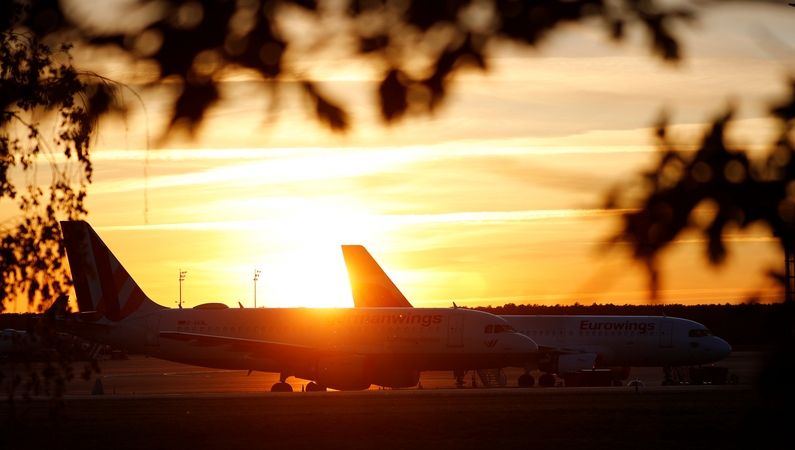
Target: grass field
[{"x": 682, "y": 418}]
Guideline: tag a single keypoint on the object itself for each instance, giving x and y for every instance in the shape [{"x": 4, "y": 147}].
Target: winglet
[{"x": 370, "y": 285}]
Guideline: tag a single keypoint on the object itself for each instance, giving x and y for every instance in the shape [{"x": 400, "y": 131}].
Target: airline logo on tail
[{"x": 103, "y": 286}]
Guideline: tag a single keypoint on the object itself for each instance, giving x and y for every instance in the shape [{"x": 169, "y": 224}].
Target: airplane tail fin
[
  {"x": 370, "y": 285},
  {"x": 58, "y": 308},
  {"x": 102, "y": 285}
]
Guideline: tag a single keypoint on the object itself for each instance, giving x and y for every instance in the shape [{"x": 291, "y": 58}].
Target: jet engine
[{"x": 345, "y": 373}]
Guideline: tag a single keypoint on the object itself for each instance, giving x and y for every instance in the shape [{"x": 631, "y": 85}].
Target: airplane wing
[
  {"x": 261, "y": 349},
  {"x": 568, "y": 350}
]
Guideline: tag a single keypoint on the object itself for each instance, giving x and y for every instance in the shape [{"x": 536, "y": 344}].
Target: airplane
[
  {"x": 338, "y": 348},
  {"x": 567, "y": 344}
]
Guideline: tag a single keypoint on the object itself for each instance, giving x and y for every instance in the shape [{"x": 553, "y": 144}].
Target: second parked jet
[{"x": 566, "y": 343}]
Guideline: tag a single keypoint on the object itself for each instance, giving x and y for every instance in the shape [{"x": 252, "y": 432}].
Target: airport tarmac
[
  {"x": 145, "y": 375},
  {"x": 158, "y": 404}
]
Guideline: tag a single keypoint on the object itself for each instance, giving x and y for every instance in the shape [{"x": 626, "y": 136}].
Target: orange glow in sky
[{"x": 495, "y": 199}]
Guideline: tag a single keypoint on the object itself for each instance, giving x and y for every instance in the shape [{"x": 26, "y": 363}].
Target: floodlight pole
[
  {"x": 182, "y": 274},
  {"x": 256, "y": 277}
]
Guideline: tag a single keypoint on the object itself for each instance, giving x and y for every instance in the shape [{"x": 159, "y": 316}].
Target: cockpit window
[
  {"x": 699, "y": 333},
  {"x": 489, "y": 329},
  {"x": 510, "y": 329},
  {"x": 499, "y": 329}
]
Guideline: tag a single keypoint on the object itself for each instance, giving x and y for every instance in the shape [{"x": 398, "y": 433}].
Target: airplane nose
[
  {"x": 721, "y": 348},
  {"x": 527, "y": 345}
]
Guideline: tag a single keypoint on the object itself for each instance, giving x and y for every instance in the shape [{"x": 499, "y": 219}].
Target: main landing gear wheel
[
  {"x": 526, "y": 380},
  {"x": 281, "y": 387},
  {"x": 546, "y": 380},
  {"x": 314, "y": 387}
]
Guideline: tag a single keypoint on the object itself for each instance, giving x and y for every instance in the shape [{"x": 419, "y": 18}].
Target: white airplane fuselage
[
  {"x": 639, "y": 341},
  {"x": 418, "y": 339},
  {"x": 567, "y": 343}
]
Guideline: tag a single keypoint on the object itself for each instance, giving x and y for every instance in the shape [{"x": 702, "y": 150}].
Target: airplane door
[
  {"x": 151, "y": 329},
  {"x": 561, "y": 334},
  {"x": 666, "y": 335},
  {"x": 455, "y": 331}
]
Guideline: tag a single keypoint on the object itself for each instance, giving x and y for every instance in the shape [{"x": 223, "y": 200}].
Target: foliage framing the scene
[
  {"x": 742, "y": 192},
  {"x": 194, "y": 41},
  {"x": 48, "y": 116},
  {"x": 40, "y": 86}
]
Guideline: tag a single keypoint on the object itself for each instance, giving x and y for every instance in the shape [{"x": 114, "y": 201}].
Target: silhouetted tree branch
[
  {"x": 744, "y": 191},
  {"x": 195, "y": 42},
  {"x": 45, "y": 173}
]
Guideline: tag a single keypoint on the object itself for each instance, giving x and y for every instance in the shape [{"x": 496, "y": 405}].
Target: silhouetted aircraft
[
  {"x": 339, "y": 348},
  {"x": 567, "y": 343}
]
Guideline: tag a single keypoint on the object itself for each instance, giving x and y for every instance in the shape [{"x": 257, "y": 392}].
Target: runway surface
[
  {"x": 164, "y": 405},
  {"x": 143, "y": 375}
]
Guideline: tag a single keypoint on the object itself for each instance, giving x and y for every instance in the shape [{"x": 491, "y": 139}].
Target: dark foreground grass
[{"x": 509, "y": 418}]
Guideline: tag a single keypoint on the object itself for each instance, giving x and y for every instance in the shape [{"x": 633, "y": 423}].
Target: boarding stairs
[{"x": 492, "y": 378}]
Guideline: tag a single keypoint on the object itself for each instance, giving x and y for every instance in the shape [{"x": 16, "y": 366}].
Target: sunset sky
[{"x": 494, "y": 199}]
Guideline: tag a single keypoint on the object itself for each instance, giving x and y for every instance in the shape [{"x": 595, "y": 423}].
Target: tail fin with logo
[
  {"x": 102, "y": 285},
  {"x": 370, "y": 285}
]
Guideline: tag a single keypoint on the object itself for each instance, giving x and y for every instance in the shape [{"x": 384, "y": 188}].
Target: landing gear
[
  {"x": 281, "y": 387},
  {"x": 526, "y": 380},
  {"x": 546, "y": 380},
  {"x": 314, "y": 387}
]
